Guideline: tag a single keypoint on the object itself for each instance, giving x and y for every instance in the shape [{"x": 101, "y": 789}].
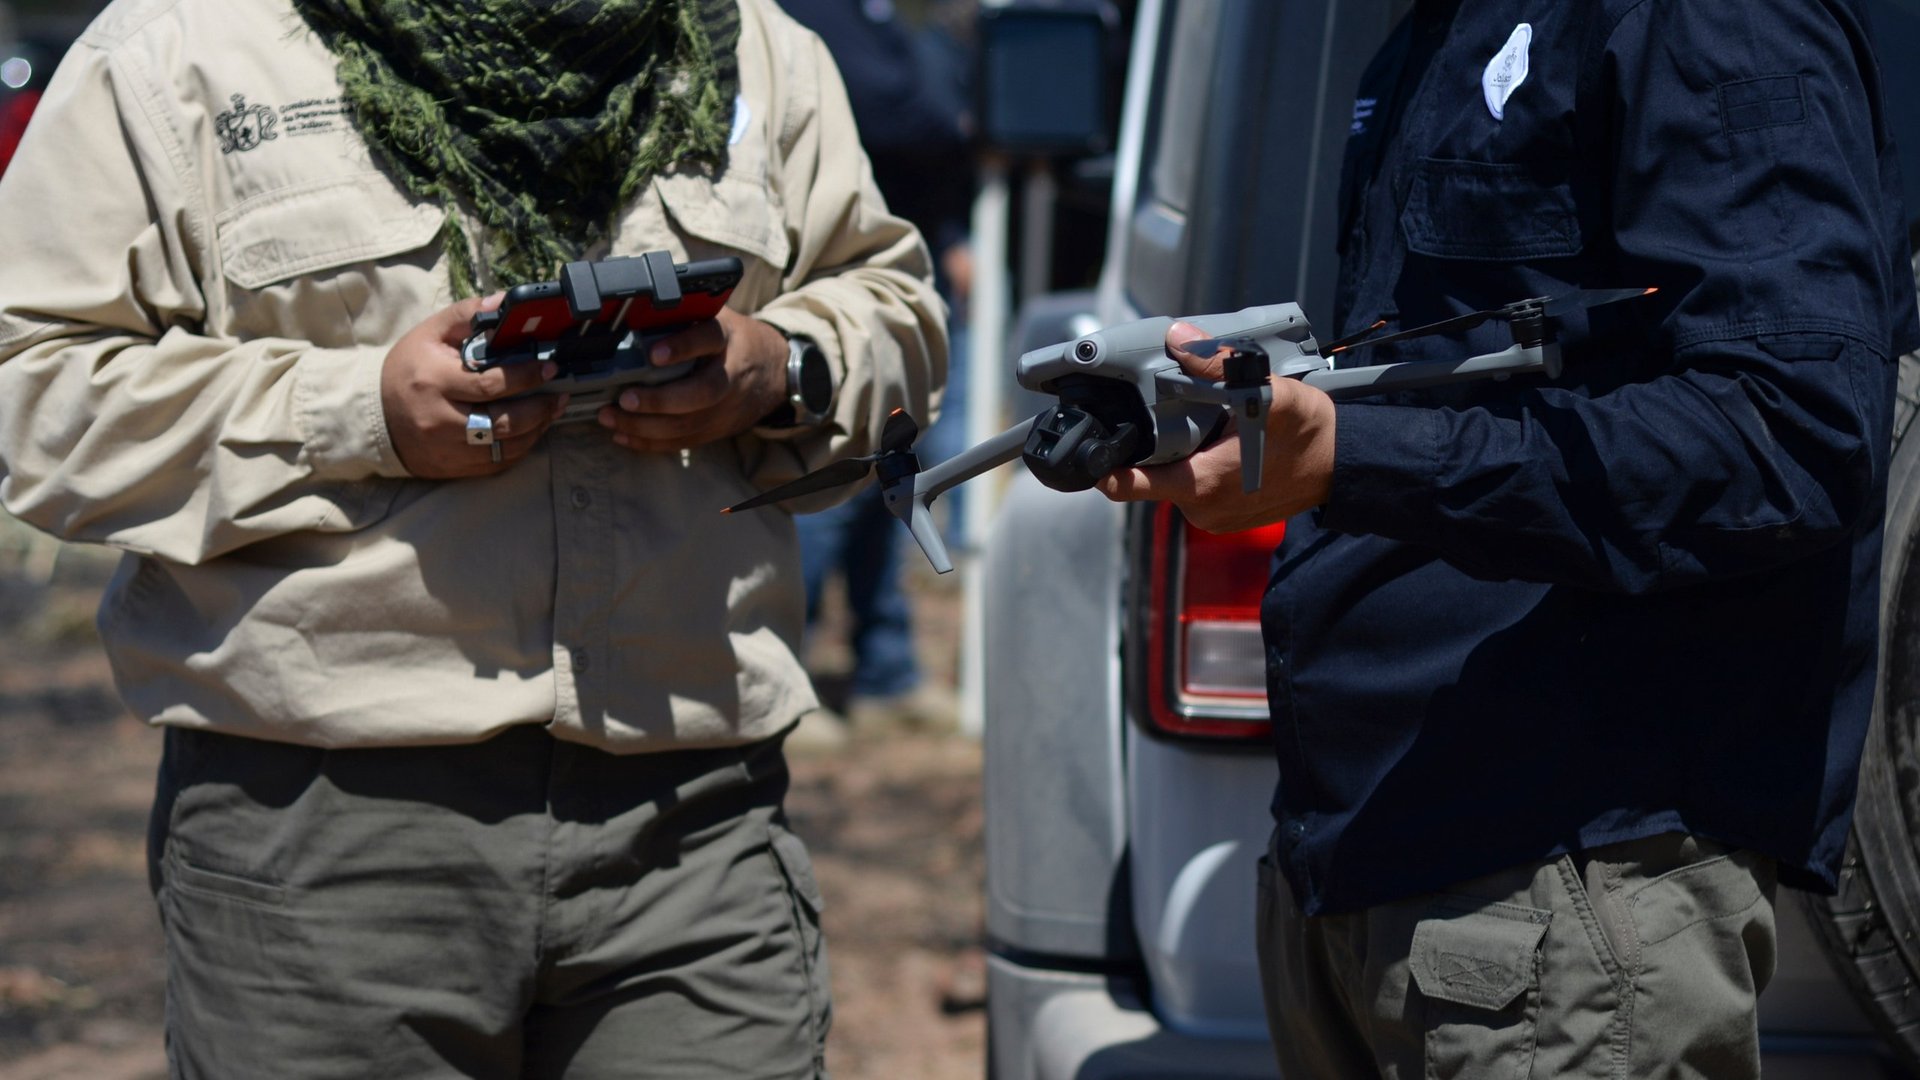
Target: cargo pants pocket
[
  {"x": 1476, "y": 965},
  {"x": 805, "y": 904},
  {"x": 1700, "y": 947}
]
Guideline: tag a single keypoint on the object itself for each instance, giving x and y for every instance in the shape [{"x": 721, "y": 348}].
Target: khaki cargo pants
[
  {"x": 1638, "y": 959},
  {"x": 518, "y": 908}
]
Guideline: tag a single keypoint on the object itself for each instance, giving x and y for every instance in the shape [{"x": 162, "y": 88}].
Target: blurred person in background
[{"x": 909, "y": 89}]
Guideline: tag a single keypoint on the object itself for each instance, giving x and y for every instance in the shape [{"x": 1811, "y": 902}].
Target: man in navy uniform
[{"x": 1567, "y": 673}]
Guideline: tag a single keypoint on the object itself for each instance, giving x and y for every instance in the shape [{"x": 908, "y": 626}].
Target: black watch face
[{"x": 816, "y": 381}]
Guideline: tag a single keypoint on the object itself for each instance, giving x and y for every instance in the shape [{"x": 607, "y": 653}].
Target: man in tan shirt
[{"x": 472, "y": 765}]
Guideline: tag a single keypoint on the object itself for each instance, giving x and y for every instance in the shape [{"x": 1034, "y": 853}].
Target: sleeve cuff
[
  {"x": 1385, "y": 460},
  {"x": 341, "y": 414},
  {"x": 800, "y": 323}
]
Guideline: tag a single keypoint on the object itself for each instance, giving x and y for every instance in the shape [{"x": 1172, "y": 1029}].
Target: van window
[{"x": 1193, "y": 55}]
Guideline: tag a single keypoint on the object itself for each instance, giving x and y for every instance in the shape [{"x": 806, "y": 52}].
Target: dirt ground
[{"x": 892, "y": 816}]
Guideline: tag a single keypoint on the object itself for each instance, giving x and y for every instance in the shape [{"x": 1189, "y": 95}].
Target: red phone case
[
  {"x": 538, "y": 312},
  {"x": 525, "y": 322}
]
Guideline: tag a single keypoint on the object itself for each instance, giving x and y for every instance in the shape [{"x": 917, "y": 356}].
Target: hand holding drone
[{"x": 1123, "y": 401}]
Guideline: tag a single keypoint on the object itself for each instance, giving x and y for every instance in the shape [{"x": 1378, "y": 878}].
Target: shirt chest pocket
[
  {"x": 736, "y": 211},
  {"x": 738, "y": 214},
  {"x": 1488, "y": 212},
  {"x": 337, "y": 262}
]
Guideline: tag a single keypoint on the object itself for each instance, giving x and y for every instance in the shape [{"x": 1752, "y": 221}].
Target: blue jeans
[
  {"x": 948, "y": 436},
  {"x": 864, "y": 542}
]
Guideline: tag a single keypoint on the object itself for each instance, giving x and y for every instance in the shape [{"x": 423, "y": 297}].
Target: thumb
[
  {"x": 455, "y": 321},
  {"x": 1182, "y": 334}
]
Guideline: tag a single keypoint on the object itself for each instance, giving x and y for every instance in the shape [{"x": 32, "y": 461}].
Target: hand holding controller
[{"x": 598, "y": 323}]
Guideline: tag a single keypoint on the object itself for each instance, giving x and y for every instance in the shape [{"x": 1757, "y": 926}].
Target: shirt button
[
  {"x": 579, "y": 660},
  {"x": 1296, "y": 831},
  {"x": 582, "y": 498}
]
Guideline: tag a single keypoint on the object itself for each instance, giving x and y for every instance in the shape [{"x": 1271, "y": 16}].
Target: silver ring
[{"x": 479, "y": 428}]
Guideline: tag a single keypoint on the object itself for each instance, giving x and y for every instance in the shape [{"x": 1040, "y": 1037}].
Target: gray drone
[{"x": 1124, "y": 402}]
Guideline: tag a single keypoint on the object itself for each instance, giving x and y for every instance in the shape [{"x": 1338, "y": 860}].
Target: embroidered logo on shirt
[
  {"x": 1362, "y": 112},
  {"x": 1507, "y": 70},
  {"x": 243, "y": 128}
]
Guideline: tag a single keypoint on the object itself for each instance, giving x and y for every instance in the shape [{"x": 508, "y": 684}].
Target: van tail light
[
  {"x": 1206, "y": 668},
  {"x": 15, "y": 110}
]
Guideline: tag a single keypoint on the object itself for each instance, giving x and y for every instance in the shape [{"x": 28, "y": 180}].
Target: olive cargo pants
[
  {"x": 1637, "y": 959},
  {"x": 521, "y": 907}
]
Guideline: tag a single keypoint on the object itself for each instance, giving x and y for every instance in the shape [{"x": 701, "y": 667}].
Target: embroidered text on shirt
[{"x": 1362, "y": 112}]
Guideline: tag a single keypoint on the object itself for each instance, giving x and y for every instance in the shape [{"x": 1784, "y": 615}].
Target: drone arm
[
  {"x": 970, "y": 463},
  {"x": 1344, "y": 383},
  {"x": 909, "y": 498},
  {"x": 1249, "y": 406}
]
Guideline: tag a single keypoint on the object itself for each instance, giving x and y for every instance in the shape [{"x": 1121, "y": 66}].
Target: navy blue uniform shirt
[{"x": 1546, "y": 615}]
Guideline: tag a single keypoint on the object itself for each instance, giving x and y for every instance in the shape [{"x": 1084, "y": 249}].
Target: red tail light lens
[
  {"x": 15, "y": 111},
  {"x": 1206, "y": 668}
]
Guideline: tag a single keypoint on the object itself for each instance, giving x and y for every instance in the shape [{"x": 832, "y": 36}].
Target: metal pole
[
  {"x": 987, "y": 381},
  {"x": 1039, "y": 193}
]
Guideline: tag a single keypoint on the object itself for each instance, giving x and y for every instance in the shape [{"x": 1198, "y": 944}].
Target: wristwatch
[{"x": 810, "y": 386}]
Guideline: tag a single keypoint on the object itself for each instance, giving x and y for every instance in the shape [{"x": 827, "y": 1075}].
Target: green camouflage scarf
[{"x": 543, "y": 117}]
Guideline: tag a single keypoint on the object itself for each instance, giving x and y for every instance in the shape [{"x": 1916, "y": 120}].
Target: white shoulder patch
[
  {"x": 1507, "y": 70},
  {"x": 740, "y": 118}
]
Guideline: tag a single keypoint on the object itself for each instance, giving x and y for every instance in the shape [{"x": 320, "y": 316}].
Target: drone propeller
[
  {"x": 1580, "y": 299},
  {"x": 1353, "y": 339},
  {"x": 895, "y": 438},
  {"x": 1551, "y": 307}
]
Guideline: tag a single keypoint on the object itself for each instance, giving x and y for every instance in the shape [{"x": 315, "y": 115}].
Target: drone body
[
  {"x": 1144, "y": 409},
  {"x": 1123, "y": 401}
]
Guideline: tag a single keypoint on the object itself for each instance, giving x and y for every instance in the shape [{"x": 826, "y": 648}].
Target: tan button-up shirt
[{"x": 204, "y": 271}]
